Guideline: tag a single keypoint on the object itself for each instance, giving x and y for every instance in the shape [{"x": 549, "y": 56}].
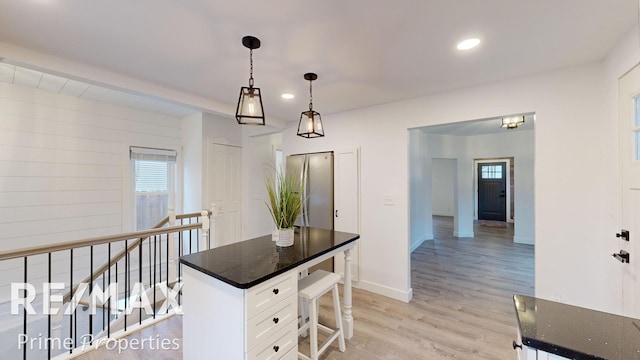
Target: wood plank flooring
[{"x": 462, "y": 304}]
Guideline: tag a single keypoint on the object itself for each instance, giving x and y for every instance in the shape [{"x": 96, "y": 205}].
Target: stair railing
[{"x": 143, "y": 270}]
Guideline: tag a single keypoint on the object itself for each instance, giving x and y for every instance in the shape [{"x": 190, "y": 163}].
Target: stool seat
[
  {"x": 311, "y": 288},
  {"x": 316, "y": 284}
]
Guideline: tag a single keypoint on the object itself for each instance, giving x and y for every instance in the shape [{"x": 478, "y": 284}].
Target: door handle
[
  {"x": 624, "y": 234},
  {"x": 336, "y": 213},
  {"x": 622, "y": 256}
]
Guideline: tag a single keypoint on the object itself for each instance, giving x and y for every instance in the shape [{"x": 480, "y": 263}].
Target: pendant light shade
[
  {"x": 249, "y": 110},
  {"x": 310, "y": 125},
  {"x": 512, "y": 122}
]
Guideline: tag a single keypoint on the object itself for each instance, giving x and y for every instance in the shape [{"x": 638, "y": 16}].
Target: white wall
[
  {"x": 442, "y": 171},
  {"x": 199, "y": 131},
  {"x": 65, "y": 175},
  {"x": 420, "y": 220},
  {"x": 259, "y": 161},
  {"x": 193, "y": 164},
  {"x": 64, "y": 161},
  {"x": 570, "y": 119}
]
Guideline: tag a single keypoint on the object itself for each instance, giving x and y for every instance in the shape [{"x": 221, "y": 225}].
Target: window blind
[{"x": 150, "y": 154}]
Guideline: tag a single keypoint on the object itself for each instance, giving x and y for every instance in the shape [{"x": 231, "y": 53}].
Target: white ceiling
[{"x": 365, "y": 52}]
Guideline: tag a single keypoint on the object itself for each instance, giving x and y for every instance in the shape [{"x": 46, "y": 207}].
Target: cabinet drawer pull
[
  {"x": 275, "y": 320},
  {"x": 276, "y": 348},
  {"x": 276, "y": 291},
  {"x": 516, "y": 345}
]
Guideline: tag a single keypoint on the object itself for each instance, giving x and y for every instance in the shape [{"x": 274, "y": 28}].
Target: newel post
[
  {"x": 173, "y": 244},
  {"x": 204, "y": 235}
]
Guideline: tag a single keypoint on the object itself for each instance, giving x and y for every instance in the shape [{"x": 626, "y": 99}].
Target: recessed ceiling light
[
  {"x": 468, "y": 44},
  {"x": 287, "y": 96}
]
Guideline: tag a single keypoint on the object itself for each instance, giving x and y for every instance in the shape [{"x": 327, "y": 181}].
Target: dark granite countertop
[
  {"x": 250, "y": 262},
  {"x": 576, "y": 333}
]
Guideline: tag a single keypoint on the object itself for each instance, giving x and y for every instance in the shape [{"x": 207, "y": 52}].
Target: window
[
  {"x": 153, "y": 185},
  {"x": 492, "y": 171}
]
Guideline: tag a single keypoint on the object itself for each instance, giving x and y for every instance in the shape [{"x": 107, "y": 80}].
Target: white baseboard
[
  {"x": 417, "y": 244},
  {"x": 404, "y": 296},
  {"x": 523, "y": 240},
  {"x": 463, "y": 234},
  {"x": 436, "y": 213}
]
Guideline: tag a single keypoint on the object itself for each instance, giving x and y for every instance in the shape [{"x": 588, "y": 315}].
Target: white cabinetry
[
  {"x": 269, "y": 327},
  {"x": 543, "y": 355}
]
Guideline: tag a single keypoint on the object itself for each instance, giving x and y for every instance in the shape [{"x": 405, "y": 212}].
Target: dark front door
[{"x": 492, "y": 191}]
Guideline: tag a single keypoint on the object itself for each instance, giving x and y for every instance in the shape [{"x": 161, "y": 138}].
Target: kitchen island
[
  {"x": 240, "y": 300},
  {"x": 552, "y": 330}
]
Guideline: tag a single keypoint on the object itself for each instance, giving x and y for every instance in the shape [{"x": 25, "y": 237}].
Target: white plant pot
[{"x": 284, "y": 237}]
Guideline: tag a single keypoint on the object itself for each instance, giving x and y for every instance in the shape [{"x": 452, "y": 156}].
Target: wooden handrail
[
  {"x": 37, "y": 250},
  {"x": 102, "y": 269}
]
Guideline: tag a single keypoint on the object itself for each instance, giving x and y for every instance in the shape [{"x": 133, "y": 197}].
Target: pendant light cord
[
  {"x": 250, "y": 68},
  {"x": 311, "y": 94}
]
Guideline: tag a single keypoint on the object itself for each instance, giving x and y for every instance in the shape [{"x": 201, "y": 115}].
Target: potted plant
[{"x": 285, "y": 204}]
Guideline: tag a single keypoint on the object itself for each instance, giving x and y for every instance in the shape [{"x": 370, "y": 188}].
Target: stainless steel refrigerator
[{"x": 317, "y": 169}]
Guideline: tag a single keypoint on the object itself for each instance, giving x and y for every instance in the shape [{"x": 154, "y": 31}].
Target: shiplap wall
[{"x": 64, "y": 169}]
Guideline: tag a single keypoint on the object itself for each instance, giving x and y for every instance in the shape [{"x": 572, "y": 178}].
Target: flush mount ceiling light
[
  {"x": 310, "y": 125},
  {"x": 287, "y": 96},
  {"x": 249, "y": 110},
  {"x": 468, "y": 44},
  {"x": 512, "y": 122}
]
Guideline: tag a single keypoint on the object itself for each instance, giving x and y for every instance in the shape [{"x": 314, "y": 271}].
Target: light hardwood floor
[{"x": 462, "y": 304}]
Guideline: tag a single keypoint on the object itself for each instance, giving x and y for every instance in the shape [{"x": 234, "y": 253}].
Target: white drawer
[
  {"x": 272, "y": 291},
  {"x": 291, "y": 355},
  {"x": 260, "y": 327},
  {"x": 277, "y": 344}
]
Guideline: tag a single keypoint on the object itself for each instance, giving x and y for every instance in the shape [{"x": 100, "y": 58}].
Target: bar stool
[{"x": 311, "y": 288}]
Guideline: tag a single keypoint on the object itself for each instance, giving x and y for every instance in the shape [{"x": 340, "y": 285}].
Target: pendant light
[
  {"x": 310, "y": 125},
  {"x": 512, "y": 122},
  {"x": 249, "y": 110}
]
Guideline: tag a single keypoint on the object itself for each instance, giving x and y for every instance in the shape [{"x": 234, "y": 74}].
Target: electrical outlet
[{"x": 388, "y": 200}]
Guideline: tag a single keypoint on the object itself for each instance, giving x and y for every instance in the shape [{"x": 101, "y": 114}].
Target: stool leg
[
  {"x": 303, "y": 306},
  {"x": 313, "y": 319},
  {"x": 336, "y": 309}
]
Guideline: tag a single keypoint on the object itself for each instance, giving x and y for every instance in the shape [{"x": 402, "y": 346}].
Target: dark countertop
[
  {"x": 576, "y": 333},
  {"x": 250, "y": 262}
]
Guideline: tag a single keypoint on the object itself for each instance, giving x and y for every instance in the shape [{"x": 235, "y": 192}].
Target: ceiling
[
  {"x": 19, "y": 75},
  {"x": 364, "y": 52}
]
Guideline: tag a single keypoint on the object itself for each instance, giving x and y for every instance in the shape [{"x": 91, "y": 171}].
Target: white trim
[
  {"x": 463, "y": 234},
  {"x": 152, "y": 151},
  {"x": 523, "y": 240},
  {"x": 404, "y": 296},
  {"x": 508, "y": 186},
  {"x": 417, "y": 244}
]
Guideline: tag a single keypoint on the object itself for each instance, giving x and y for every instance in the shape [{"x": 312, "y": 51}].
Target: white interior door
[
  {"x": 629, "y": 121},
  {"x": 347, "y": 203},
  {"x": 224, "y": 183}
]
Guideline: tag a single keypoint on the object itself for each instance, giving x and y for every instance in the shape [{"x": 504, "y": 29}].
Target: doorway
[{"x": 493, "y": 189}]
